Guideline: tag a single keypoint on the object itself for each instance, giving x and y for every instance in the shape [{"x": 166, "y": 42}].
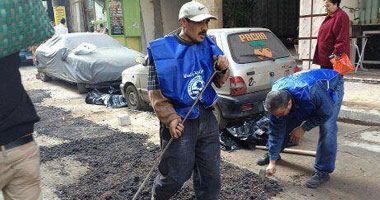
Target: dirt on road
[
  {"x": 85, "y": 154},
  {"x": 84, "y": 157}
]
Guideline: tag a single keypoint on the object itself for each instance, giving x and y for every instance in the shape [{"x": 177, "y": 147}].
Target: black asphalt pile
[
  {"x": 118, "y": 162},
  {"x": 38, "y": 96}
]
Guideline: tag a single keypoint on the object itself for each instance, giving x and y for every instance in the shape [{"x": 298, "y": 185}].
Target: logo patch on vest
[{"x": 195, "y": 86}]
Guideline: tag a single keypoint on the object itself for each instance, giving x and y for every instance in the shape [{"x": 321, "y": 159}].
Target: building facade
[{"x": 365, "y": 20}]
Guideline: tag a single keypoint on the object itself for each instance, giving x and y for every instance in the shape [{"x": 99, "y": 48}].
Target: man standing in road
[
  {"x": 61, "y": 28},
  {"x": 333, "y": 35},
  {"x": 20, "y": 157},
  {"x": 299, "y": 103},
  {"x": 181, "y": 66}
]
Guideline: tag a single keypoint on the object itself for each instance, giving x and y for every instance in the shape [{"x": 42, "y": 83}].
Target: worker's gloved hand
[
  {"x": 176, "y": 128},
  {"x": 222, "y": 62},
  {"x": 271, "y": 169},
  {"x": 297, "y": 134}
]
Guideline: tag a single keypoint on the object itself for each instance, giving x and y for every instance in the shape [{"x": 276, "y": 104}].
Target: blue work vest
[
  {"x": 299, "y": 85},
  {"x": 183, "y": 70}
]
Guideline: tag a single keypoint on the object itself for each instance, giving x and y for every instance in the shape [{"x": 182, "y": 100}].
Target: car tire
[
  {"x": 219, "y": 117},
  {"x": 44, "y": 77},
  {"x": 133, "y": 99},
  {"x": 82, "y": 88}
]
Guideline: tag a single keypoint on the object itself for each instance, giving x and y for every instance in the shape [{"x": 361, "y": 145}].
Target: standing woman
[{"x": 333, "y": 35}]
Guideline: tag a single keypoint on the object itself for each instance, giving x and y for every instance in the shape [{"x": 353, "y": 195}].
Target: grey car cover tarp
[{"x": 104, "y": 64}]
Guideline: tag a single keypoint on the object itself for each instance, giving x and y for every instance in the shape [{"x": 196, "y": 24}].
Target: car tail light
[
  {"x": 245, "y": 107},
  {"x": 237, "y": 86},
  {"x": 296, "y": 69}
]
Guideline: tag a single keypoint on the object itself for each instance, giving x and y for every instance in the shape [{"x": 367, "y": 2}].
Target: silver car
[
  {"x": 69, "y": 57},
  {"x": 257, "y": 59}
]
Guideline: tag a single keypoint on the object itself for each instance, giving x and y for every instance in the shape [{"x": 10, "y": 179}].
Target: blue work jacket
[{"x": 313, "y": 98}]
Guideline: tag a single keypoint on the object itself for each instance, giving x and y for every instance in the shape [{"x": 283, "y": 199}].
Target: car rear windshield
[{"x": 256, "y": 46}]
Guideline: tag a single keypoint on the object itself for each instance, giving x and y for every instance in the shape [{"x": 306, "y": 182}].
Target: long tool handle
[
  {"x": 171, "y": 139},
  {"x": 293, "y": 151}
]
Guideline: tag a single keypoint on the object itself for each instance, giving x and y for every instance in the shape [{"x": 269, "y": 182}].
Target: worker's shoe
[
  {"x": 264, "y": 160},
  {"x": 317, "y": 180}
]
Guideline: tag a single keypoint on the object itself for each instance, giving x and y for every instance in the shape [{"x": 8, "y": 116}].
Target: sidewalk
[
  {"x": 361, "y": 100},
  {"x": 368, "y": 76}
]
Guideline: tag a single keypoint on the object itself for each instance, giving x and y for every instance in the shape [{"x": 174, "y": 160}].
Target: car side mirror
[{"x": 142, "y": 60}]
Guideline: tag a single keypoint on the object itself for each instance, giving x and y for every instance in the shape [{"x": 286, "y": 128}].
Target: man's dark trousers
[{"x": 197, "y": 152}]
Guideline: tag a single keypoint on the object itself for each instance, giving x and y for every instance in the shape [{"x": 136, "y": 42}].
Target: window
[{"x": 257, "y": 46}]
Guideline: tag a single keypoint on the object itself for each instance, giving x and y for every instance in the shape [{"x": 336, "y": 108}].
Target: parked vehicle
[
  {"x": 89, "y": 60},
  {"x": 257, "y": 59}
]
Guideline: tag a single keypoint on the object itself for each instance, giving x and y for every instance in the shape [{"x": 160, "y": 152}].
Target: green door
[{"x": 124, "y": 22}]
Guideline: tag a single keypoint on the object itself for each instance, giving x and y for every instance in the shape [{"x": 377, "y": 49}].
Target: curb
[
  {"x": 363, "y": 116},
  {"x": 362, "y": 80}
]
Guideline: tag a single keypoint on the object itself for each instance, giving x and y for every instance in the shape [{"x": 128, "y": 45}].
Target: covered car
[{"x": 86, "y": 59}]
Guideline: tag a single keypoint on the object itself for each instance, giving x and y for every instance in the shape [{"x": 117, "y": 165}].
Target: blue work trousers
[{"x": 328, "y": 142}]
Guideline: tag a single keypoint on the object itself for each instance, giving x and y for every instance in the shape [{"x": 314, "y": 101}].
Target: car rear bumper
[{"x": 238, "y": 106}]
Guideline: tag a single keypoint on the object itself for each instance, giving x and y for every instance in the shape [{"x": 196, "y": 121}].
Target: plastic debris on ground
[
  {"x": 112, "y": 99},
  {"x": 245, "y": 135}
]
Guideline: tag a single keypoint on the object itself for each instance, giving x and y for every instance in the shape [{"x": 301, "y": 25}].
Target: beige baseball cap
[{"x": 195, "y": 11}]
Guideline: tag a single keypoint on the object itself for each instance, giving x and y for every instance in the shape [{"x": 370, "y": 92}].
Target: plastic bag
[
  {"x": 342, "y": 64},
  {"x": 109, "y": 100},
  {"x": 245, "y": 135},
  {"x": 114, "y": 101},
  {"x": 95, "y": 97},
  {"x": 84, "y": 48}
]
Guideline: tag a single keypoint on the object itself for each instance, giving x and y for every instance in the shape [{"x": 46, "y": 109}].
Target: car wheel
[
  {"x": 133, "y": 99},
  {"x": 82, "y": 88},
  {"x": 44, "y": 77},
  {"x": 219, "y": 117}
]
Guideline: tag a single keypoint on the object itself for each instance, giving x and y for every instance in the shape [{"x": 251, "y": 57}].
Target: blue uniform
[
  {"x": 317, "y": 97},
  {"x": 183, "y": 70}
]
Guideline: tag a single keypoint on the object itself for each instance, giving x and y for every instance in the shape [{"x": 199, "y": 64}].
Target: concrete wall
[
  {"x": 148, "y": 28},
  {"x": 161, "y": 19},
  {"x": 306, "y": 29},
  {"x": 216, "y": 8},
  {"x": 77, "y": 19},
  {"x": 169, "y": 13},
  {"x": 351, "y": 4},
  {"x": 170, "y": 10}
]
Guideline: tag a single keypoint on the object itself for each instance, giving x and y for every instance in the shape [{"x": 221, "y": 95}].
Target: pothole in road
[{"x": 112, "y": 164}]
